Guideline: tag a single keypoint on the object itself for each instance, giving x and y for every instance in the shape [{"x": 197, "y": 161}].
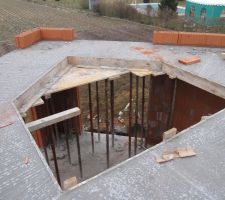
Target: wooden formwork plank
[
  {"x": 53, "y": 119},
  {"x": 38, "y": 102}
]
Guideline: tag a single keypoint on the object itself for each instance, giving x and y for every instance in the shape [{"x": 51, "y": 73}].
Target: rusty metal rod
[
  {"x": 130, "y": 117},
  {"x": 136, "y": 114},
  {"x": 112, "y": 109},
  {"x": 79, "y": 154},
  {"x": 78, "y": 146},
  {"x": 54, "y": 157},
  {"x": 91, "y": 118},
  {"x": 56, "y": 131},
  {"x": 107, "y": 122},
  {"x": 148, "y": 117},
  {"x": 172, "y": 105},
  {"x": 66, "y": 132},
  {"x": 46, "y": 155},
  {"x": 67, "y": 141},
  {"x": 45, "y": 145},
  {"x": 142, "y": 109},
  {"x": 49, "y": 111},
  {"x": 98, "y": 117}
]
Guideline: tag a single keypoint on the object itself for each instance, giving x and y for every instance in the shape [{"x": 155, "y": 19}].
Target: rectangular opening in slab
[
  {"x": 109, "y": 131},
  {"x": 158, "y": 104},
  {"x": 124, "y": 111}
]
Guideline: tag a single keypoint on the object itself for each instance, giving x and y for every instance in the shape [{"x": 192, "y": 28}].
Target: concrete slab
[
  {"x": 200, "y": 177},
  {"x": 141, "y": 177}
]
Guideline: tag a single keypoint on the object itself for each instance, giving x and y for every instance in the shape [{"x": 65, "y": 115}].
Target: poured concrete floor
[{"x": 92, "y": 164}]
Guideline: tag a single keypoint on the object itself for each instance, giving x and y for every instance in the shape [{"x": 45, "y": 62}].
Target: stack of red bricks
[
  {"x": 189, "y": 38},
  {"x": 28, "y": 38}
]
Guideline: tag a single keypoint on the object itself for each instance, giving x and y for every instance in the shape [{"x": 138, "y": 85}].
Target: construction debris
[
  {"x": 190, "y": 60},
  {"x": 26, "y": 160},
  {"x": 223, "y": 55},
  {"x": 169, "y": 134},
  {"x": 69, "y": 183},
  {"x": 180, "y": 152}
]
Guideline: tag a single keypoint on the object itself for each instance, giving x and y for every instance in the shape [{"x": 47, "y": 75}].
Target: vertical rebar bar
[
  {"x": 46, "y": 155},
  {"x": 107, "y": 122},
  {"x": 67, "y": 140},
  {"x": 49, "y": 111},
  {"x": 79, "y": 154},
  {"x": 45, "y": 144},
  {"x": 142, "y": 109},
  {"x": 98, "y": 117},
  {"x": 112, "y": 109},
  {"x": 66, "y": 129},
  {"x": 148, "y": 117},
  {"x": 78, "y": 145},
  {"x": 91, "y": 117},
  {"x": 172, "y": 105},
  {"x": 130, "y": 116},
  {"x": 136, "y": 115},
  {"x": 56, "y": 131},
  {"x": 54, "y": 156}
]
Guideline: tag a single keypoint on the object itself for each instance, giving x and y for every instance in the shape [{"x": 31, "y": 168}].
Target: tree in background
[{"x": 168, "y": 7}]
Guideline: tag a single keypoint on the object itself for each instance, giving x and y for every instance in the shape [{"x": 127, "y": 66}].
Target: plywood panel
[
  {"x": 78, "y": 76},
  {"x": 192, "y": 103},
  {"x": 160, "y": 107}
]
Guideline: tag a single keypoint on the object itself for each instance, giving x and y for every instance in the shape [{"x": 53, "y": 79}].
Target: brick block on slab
[
  {"x": 165, "y": 37},
  {"x": 66, "y": 34},
  {"x": 190, "y": 60},
  {"x": 215, "y": 40},
  {"x": 25, "y": 39},
  {"x": 192, "y": 39}
]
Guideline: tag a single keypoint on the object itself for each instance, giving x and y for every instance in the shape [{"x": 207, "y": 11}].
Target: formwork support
[
  {"x": 107, "y": 121},
  {"x": 130, "y": 116},
  {"x": 112, "y": 109},
  {"x": 91, "y": 118},
  {"x": 97, "y": 105}
]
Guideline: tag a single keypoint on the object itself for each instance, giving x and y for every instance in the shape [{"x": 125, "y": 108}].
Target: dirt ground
[
  {"x": 92, "y": 164},
  {"x": 20, "y": 15}
]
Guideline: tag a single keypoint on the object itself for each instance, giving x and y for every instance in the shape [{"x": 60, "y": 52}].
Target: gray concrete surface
[
  {"x": 92, "y": 164},
  {"x": 141, "y": 177},
  {"x": 200, "y": 177}
]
